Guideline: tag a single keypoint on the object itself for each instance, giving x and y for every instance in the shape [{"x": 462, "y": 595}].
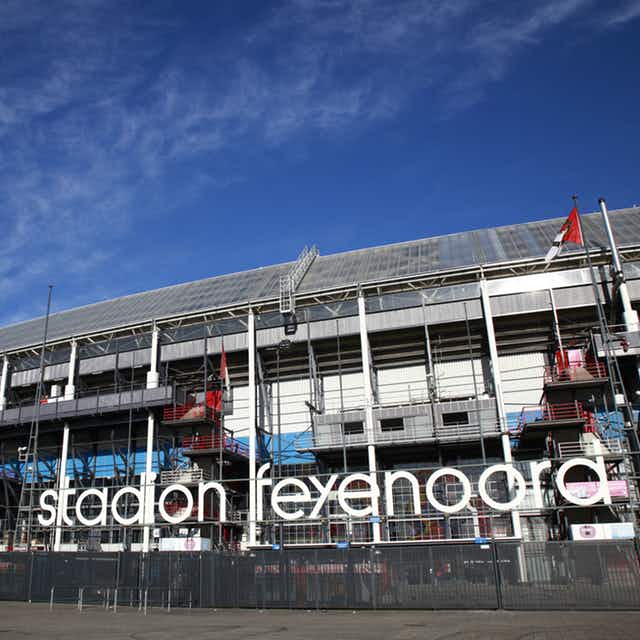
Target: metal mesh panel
[
  {"x": 536, "y": 576},
  {"x": 15, "y": 569},
  {"x": 560, "y": 575}
]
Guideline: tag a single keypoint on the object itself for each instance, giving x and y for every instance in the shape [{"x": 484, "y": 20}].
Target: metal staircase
[{"x": 290, "y": 282}]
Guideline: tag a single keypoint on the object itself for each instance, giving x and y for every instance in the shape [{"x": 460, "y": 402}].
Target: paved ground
[{"x": 20, "y": 620}]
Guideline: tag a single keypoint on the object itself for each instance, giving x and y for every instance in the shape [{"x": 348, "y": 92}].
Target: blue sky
[{"x": 144, "y": 144}]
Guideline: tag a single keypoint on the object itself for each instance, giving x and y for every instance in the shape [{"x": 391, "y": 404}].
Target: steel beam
[
  {"x": 251, "y": 340},
  {"x": 367, "y": 387}
]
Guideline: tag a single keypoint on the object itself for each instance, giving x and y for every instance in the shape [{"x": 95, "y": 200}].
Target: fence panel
[
  {"x": 435, "y": 577},
  {"x": 15, "y": 569},
  {"x": 70, "y": 571},
  {"x": 569, "y": 575}
]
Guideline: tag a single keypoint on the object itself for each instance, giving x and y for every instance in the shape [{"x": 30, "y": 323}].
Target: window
[
  {"x": 392, "y": 424},
  {"x": 352, "y": 428},
  {"x": 455, "y": 418}
]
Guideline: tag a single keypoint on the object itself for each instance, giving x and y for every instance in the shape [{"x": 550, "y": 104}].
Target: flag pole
[
  {"x": 629, "y": 316},
  {"x": 35, "y": 423},
  {"x": 594, "y": 281}
]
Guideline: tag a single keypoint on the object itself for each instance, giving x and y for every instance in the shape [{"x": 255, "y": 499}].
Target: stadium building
[{"x": 461, "y": 351}]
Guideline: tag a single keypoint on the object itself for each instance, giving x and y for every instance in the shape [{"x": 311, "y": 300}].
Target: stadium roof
[{"x": 418, "y": 257}]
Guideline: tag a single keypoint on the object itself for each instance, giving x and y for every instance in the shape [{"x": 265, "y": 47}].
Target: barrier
[{"x": 486, "y": 575}]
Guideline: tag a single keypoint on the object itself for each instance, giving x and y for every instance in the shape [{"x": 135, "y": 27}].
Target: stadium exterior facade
[{"x": 360, "y": 375}]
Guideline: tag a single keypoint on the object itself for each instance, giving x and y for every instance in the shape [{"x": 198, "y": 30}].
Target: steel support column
[
  {"x": 251, "y": 345},
  {"x": 61, "y": 486},
  {"x": 630, "y": 317},
  {"x": 148, "y": 478},
  {"x": 368, "y": 405},
  {"x": 70, "y": 388},
  {"x": 153, "y": 377},
  {"x": 4, "y": 378},
  {"x": 556, "y": 323},
  {"x": 497, "y": 384}
]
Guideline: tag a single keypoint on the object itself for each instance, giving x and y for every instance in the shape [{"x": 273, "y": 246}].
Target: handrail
[
  {"x": 181, "y": 412},
  {"x": 213, "y": 441},
  {"x": 597, "y": 447},
  {"x": 552, "y": 412},
  {"x": 574, "y": 372}
]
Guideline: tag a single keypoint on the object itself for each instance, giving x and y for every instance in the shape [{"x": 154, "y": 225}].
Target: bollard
[
  {"x": 51, "y": 599},
  {"x": 80, "y": 596},
  {"x": 146, "y": 595},
  {"x": 115, "y": 600},
  {"x": 169, "y": 601}
]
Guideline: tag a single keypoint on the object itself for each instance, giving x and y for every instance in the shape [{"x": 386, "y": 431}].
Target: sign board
[
  {"x": 617, "y": 489},
  {"x": 184, "y": 544},
  {"x": 305, "y": 498},
  {"x": 602, "y": 531}
]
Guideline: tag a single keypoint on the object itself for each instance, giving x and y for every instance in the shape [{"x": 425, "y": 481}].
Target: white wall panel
[
  {"x": 455, "y": 379},
  {"x": 402, "y": 385},
  {"x": 238, "y": 421},
  {"x": 352, "y": 393},
  {"x": 294, "y": 414},
  {"x": 522, "y": 379}
]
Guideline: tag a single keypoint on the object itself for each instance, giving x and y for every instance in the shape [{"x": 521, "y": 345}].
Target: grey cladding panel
[{"x": 520, "y": 303}]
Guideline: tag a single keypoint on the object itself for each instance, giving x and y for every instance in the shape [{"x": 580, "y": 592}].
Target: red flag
[
  {"x": 570, "y": 231},
  {"x": 214, "y": 398}
]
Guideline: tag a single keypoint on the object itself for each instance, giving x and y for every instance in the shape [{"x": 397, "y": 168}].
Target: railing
[
  {"x": 575, "y": 372},
  {"x": 186, "y": 412},
  {"x": 225, "y": 442},
  {"x": 567, "y": 411},
  {"x": 183, "y": 476},
  {"x": 111, "y": 597},
  {"x": 592, "y": 448}
]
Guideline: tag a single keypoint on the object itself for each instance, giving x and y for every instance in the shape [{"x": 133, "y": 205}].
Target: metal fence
[{"x": 509, "y": 575}]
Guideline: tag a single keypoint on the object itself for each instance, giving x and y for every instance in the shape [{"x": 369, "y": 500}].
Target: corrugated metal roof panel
[{"x": 484, "y": 246}]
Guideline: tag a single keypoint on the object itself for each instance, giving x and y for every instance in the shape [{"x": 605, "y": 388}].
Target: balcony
[
  {"x": 590, "y": 449},
  {"x": 90, "y": 403},
  {"x": 576, "y": 374},
  {"x": 554, "y": 415},
  {"x": 535, "y": 422},
  {"x": 214, "y": 444},
  {"x": 183, "y": 476},
  {"x": 198, "y": 408},
  {"x": 452, "y": 421},
  {"x": 189, "y": 414}
]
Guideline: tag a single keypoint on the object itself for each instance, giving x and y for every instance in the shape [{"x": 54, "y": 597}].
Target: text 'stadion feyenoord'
[{"x": 358, "y": 494}]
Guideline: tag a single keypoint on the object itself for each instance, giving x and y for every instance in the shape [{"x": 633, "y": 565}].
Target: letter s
[{"x": 49, "y": 508}]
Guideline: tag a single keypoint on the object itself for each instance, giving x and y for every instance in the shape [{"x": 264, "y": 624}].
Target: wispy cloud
[
  {"x": 621, "y": 15},
  {"x": 111, "y": 115}
]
